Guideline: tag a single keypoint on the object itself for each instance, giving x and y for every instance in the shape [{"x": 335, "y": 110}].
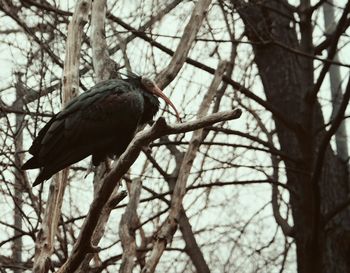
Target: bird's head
[{"x": 151, "y": 87}]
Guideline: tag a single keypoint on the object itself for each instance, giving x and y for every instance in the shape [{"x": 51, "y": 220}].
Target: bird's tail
[
  {"x": 40, "y": 179},
  {"x": 43, "y": 175},
  {"x": 31, "y": 164}
]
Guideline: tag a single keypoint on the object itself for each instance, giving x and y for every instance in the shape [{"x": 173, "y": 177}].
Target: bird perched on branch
[{"x": 100, "y": 122}]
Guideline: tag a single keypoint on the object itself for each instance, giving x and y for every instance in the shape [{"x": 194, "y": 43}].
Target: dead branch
[
  {"x": 182, "y": 50},
  {"x": 114, "y": 200},
  {"x": 239, "y": 87},
  {"x": 127, "y": 228},
  {"x": 44, "y": 244},
  {"x": 20, "y": 181},
  {"x": 169, "y": 227},
  {"x": 103, "y": 65},
  {"x": 160, "y": 128}
]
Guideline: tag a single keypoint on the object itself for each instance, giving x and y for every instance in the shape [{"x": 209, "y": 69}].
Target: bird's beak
[{"x": 157, "y": 91}]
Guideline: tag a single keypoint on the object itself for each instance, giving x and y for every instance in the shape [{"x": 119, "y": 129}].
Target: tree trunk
[
  {"x": 287, "y": 79},
  {"x": 335, "y": 80}
]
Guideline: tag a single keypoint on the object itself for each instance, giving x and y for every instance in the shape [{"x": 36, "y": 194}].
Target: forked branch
[
  {"x": 44, "y": 244},
  {"x": 160, "y": 128}
]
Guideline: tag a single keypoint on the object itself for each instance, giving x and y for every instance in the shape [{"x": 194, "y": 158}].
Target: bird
[{"x": 100, "y": 122}]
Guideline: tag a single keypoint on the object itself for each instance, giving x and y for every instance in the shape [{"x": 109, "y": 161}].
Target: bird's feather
[{"x": 100, "y": 122}]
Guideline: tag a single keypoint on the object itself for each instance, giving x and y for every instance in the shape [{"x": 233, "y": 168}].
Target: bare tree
[{"x": 265, "y": 193}]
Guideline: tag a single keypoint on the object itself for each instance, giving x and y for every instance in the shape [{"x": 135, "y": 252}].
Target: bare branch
[
  {"x": 182, "y": 50},
  {"x": 169, "y": 227},
  {"x": 44, "y": 245},
  {"x": 17, "y": 246},
  {"x": 127, "y": 228},
  {"x": 311, "y": 96},
  {"x": 236, "y": 85},
  {"x": 104, "y": 68},
  {"x": 103, "y": 65},
  {"x": 160, "y": 128},
  {"x": 319, "y": 161}
]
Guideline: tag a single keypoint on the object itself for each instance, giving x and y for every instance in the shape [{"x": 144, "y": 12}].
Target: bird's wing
[
  {"x": 89, "y": 121},
  {"x": 35, "y": 148},
  {"x": 88, "y": 127},
  {"x": 78, "y": 103}
]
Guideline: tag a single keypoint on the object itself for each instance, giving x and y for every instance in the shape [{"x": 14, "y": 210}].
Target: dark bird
[{"x": 100, "y": 122}]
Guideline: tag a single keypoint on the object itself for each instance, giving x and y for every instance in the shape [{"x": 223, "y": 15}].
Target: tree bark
[
  {"x": 169, "y": 73},
  {"x": 17, "y": 246},
  {"x": 169, "y": 226},
  {"x": 104, "y": 69},
  {"x": 287, "y": 79},
  {"x": 128, "y": 226},
  {"x": 83, "y": 244},
  {"x": 336, "y": 81},
  {"x": 44, "y": 245}
]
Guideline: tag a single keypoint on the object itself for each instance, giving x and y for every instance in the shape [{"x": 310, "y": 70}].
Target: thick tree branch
[
  {"x": 325, "y": 142},
  {"x": 182, "y": 50},
  {"x": 311, "y": 96},
  {"x": 104, "y": 68},
  {"x": 128, "y": 225},
  {"x": 44, "y": 245},
  {"x": 33, "y": 95},
  {"x": 317, "y": 171},
  {"x": 160, "y": 128},
  {"x": 169, "y": 227},
  {"x": 17, "y": 247},
  {"x": 191, "y": 248},
  {"x": 236, "y": 85},
  {"x": 330, "y": 38}
]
